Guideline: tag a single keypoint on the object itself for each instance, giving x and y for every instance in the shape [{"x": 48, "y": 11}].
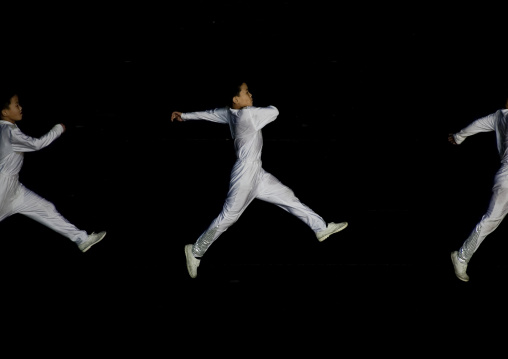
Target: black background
[{"x": 367, "y": 95}]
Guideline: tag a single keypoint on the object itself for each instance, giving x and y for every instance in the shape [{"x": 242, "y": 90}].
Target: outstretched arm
[
  {"x": 24, "y": 143},
  {"x": 484, "y": 124},
  {"x": 218, "y": 115}
]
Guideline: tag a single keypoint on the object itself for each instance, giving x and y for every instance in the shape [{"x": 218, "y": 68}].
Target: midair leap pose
[
  {"x": 498, "y": 206},
  {"x": 14, "y": 196},
  {"x": 248, "y": 178}
]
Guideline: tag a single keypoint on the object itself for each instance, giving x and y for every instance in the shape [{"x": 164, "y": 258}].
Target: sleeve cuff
[{"x": 458, "y": 138}]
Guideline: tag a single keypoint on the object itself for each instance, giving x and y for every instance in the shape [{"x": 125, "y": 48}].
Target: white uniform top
[
  {"x": 248, "y": 178},
  {"x": 245, "y": 125},
  {"x": 13, "y": 143},
  {"x": 496, "y": 121}
]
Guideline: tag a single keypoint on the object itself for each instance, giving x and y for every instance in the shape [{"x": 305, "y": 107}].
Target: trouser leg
[
  {"x": 44, "y": 212},
  {"x": 273, "y": 191},
  {"x": 238, "y": 199},
  {"x": 497, "y": 210}
]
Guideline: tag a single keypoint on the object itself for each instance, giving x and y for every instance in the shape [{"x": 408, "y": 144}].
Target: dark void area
[{"x": 367, "y": 97}]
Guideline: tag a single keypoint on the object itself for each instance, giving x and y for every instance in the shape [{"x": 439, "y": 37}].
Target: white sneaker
[
  {"x": 91, "y": 240},
  {"x": 459, "y": 267},
  {"x": 331, "y": 228},
  {"x": 192, "y": 262}
]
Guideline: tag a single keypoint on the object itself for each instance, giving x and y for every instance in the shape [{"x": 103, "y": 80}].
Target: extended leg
[
  {"x": 239, "y": 197},
  {"x": 273, "y": 191},
  {"x": 44, "y": 212},
  {"x": 498, "y": 207}
]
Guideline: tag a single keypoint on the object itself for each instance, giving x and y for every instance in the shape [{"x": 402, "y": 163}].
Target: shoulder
[
  {"x": 221, "y": 111},
  {"x": 274, "y": 109},
  {"x": 6, "y": 131},
  {"x": 7, "y": 126},
  {"x": 500, "y": 115},
  {"x": 268, "y": 109}
]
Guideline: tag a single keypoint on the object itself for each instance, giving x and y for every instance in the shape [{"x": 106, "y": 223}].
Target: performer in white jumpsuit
[
  {"x": 14, "y": 196},
  {"x": 498, "y": 206},
  {"x": 248, "y": 178}
]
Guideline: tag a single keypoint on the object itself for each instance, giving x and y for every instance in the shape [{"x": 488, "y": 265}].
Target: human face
[
  {"x": 244, "y": 98},
  {"x": 14, "y": 112}
]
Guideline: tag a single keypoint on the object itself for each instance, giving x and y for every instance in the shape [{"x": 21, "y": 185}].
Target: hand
[
  {"x": 176, "y": 115},
  {"x": 451, "y": 139},
  {"x": 63, "y": 126}
]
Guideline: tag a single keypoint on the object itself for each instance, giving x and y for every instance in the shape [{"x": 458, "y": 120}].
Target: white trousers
[
  {"x": 16, "y": 198},
  {"x": 497, "y": 210},
  {"x": 248, "y": 182}
]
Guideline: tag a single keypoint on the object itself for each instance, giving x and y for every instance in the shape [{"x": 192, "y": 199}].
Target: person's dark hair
[
  {"x": 5, "y": 97},
  {"x": 231, "y": 88},
  {"x": 7, "y": 91}
]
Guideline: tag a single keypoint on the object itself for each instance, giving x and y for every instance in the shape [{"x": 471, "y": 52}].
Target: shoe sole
[
  {"x": 188, "y": 253},
  {"x": 90, "y": 246},
  {"x": 453, "y": 262},
  {"x": 328, "y": 235}
]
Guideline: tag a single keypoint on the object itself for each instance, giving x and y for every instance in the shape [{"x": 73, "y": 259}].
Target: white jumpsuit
[
  {"x": 248, "y": 178},
  {"x": 498, "y": 206},
  {"x": 16, "y": 198}
]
